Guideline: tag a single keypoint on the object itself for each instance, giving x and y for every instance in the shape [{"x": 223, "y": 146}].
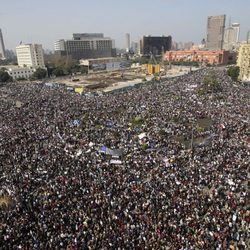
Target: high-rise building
[
  {"x": 236, "y": 27},
  {"x": 30, "y": 55},
  {"x": 127, "y": 36},
  {"x": 135, "y": 47},
  {"x": 2, "y": 48},
  {"x": 85, "y": 46},
  {"x": 215, "y": 32},
  {"x": 231, "y": 36},
  {"x": 248, "y": 36},
  {"x": 155, "y": 45},
  {"x": 244, "y": 61}
]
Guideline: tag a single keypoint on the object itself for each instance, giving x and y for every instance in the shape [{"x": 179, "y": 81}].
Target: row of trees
[
  {"x": 56, "y": 66},
  {"x": 63, "y": 66}
]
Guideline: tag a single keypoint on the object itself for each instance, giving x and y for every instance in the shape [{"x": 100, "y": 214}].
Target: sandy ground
[{"x": 115, "y": 80}]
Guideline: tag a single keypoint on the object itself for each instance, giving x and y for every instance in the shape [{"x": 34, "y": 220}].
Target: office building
[
  {"x": 157, "y": 45},
  {"x": 236, "y": 34},
  {"x": 244, "y": 61},
  {"x": 135, "y": 47},
  {"x": 127, "y": 36},
  {"x": 30, "y": 55},
  {"x": 231, "y": 36},
  {"x": 17, "y": 72},
  {"x": 2, "y": 48},
  {"x": 248, "y": 36},
  {"x": 215, "y": 32},
  {"x": 85, "y": 46}
]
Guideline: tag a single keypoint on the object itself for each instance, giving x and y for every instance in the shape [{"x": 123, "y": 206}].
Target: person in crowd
[{"x": 180, "y": 183}]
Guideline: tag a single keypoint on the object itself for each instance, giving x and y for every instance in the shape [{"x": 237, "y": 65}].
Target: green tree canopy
[
  {"x": 234, "y": 72},
  {"x": 39, "y": 73},
  {"x": 210, "y": 84},
  {"x": 58, "y": 71},
  {"x": 4, "y": 76}
]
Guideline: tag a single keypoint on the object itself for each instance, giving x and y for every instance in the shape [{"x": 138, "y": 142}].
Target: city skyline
[{"x": 49, "y": 21}]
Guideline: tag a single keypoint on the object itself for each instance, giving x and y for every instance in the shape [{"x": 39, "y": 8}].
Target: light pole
[{"x": 192, "y": 137}]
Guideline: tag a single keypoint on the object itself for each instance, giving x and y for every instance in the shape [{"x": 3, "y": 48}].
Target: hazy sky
[{"x": 45, "y": 21}]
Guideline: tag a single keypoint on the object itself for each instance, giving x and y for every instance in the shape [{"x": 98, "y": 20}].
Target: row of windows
[{"x": 21, "y": 72}]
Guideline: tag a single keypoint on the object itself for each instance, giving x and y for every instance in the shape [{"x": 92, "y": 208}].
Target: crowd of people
[{"x": 179, "y": 181}]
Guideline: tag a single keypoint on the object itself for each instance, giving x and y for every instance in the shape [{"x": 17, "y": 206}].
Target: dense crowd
[{"x": 180, "y": 183}]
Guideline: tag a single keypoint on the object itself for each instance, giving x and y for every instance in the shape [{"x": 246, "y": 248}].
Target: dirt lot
[{"x": 100, "y": 80}]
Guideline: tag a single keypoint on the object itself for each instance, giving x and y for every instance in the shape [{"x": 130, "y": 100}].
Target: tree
[
  {"x": 39, "y": 73},
  {"x": 4, "y": 76},
  {"x": 210, "y": 84},
  {"x": 234, "y": 72},
  {"x": 58, "y": 71}
]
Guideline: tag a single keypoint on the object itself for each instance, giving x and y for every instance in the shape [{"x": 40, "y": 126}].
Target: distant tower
[
  {"x": 2, "y": 48},
  {"x": 135, "y": 47},
  {"x": 248, "y": 37},
  {"x": 127, "y": 42},
  {"x": 236, "y": 27},
  {"x": 215, "y": 32}
]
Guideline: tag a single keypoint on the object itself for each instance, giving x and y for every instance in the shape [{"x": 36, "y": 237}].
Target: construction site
[{"x": 107, "y": 81}]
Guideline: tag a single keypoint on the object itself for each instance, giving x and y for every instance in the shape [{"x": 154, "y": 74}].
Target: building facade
[
  {"x": 30, "y": 55},
  {"x": 215, "y": 32},
  {"x": 85, "y": 46},
  {"x": 135, "y": 47},
  {"x": 2, "y": 47},
  {"x": 105, "y": 64},
  {"x": 244, "y": 62},
  {"x": 155, "y": 45},
  {"x": 17, "y": 72},
  {"x": 202, "y": 56},
  {"x": 127, "y": 37},
  {"x": 248, "y": 36},
  {"x": 231, "y": 36}
]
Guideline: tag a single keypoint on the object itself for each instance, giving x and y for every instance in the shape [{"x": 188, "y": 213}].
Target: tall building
[
  {"x": 231, "y": 36},
  {"x": 236, "y": 27},
  {"x": 155, "y": 45},
  {"x": 30, "y": 55},
  {"x": 135, "y": 47},
  {"x": 127, "y": 36},
  {"x": 248, "y": 36},
  {"x": 85, "y": 46},
  {"x": 2, "y": 48},
  {"x": 215, "y": 32},
  {"x": 244, "y": 61}
]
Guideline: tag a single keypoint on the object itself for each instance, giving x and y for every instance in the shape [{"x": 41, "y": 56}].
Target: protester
[{"x": 180, "y": 183}]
